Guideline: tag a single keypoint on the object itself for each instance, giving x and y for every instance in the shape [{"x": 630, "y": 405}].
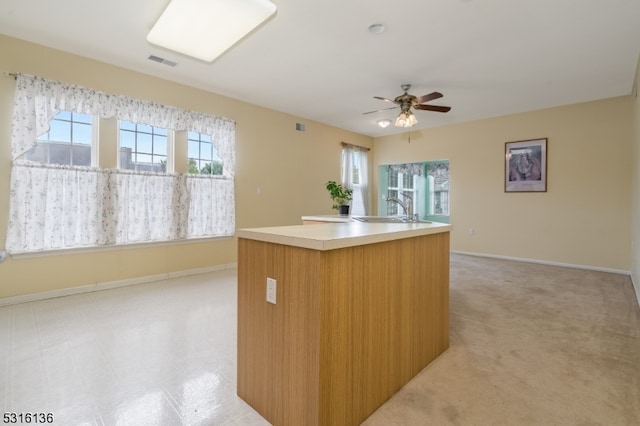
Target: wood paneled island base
[{"x": 351, "y": 325}]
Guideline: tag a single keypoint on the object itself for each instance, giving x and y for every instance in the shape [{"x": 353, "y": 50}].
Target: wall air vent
[
  {"x": 300, "y": 127},
  {"x": 162, "y": 60}
]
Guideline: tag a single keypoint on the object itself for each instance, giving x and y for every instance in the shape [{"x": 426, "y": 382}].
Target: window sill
[{"x": 96, "y": 249}]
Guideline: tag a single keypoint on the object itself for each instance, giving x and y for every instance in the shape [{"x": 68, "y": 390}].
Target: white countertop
[
  {"x": 338, "y": 218},
  {"x": 330, "y": 236}
]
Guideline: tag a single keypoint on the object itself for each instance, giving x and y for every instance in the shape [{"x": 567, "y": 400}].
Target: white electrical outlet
[{"x": 271, "y": 290}]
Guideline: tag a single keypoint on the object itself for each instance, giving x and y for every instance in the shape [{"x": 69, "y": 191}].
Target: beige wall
[
  {"x": 290, "y": 167},
  {"x": 583, "y": 218},
  {"x": 635, "y": 212}
]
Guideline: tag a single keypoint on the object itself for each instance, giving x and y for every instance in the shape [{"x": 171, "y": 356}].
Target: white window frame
[
  {"x": 94, "y": 146},
  {"x": 183, "y": 207},
  {"x": 200, "y": 134},
  {"x": 170, "y": 164}
]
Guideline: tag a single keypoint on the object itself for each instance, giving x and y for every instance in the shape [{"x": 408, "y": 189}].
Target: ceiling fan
[{"x": 406, "y": 118}]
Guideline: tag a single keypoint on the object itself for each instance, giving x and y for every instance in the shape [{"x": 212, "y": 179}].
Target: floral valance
[
  {"x": 410, "y": 169},
  {"x": 38, "y": 100}
]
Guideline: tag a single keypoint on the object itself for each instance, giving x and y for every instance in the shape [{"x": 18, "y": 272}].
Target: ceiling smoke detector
[{"x": 377, "y": 28}]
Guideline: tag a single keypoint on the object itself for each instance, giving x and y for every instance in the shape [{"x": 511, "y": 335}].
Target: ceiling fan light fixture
[
  {"x": 406, "y": 119},
  {"x": 204, "y": 29},
  {"x": 384, "y": 123}
]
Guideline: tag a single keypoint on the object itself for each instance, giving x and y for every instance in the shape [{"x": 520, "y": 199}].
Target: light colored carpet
[{"x": 530, "y": 345}]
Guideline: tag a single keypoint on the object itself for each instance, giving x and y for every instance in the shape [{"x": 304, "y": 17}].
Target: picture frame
[{"x": 526, "y": 166}]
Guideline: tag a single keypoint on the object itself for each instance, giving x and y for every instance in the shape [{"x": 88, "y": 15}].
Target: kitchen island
[{"x": 360, "y": 309}]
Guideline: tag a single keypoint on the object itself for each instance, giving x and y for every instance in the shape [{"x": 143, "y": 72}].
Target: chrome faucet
[
  {"x": 407, "y": 206},
  {"x": 399, "y": 202}
]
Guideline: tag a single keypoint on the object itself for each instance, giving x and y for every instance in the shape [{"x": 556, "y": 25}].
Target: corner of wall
[{"x": 635, "y": 186}]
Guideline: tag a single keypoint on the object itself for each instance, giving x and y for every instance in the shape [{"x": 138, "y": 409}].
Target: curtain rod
[{"x": 364, "y": 148}]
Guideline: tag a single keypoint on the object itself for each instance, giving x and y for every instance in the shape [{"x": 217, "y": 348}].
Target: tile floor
[{"x": 153, "y": 354}]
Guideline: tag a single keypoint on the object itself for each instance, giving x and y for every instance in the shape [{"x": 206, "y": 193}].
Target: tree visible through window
[
  {"x": 203, "y": 155},
  {"x": 68, "y": 141}
]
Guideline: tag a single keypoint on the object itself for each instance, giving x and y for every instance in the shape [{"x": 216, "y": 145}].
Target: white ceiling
[{"x": 316, "y": 59}]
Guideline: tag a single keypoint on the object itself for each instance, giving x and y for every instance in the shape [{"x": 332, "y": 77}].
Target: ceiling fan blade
[
  {"x": 378, "y": 110},
  {"x": 385, "y": 99},
  {"x": 429, "y": 97},
  {"x": 435, "y": 108}
]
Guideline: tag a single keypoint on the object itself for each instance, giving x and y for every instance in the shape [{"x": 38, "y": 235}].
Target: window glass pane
[
  {"x": 127, "y": 125},
  {"x": 207, "y": 151},
  {"x": 63, "y": 115},
  {"x": 81, "y": 133},
  {"x": 202, "y": 154},
  {"x": 143, "y": 128},
  {"x": 127, "y": 140},
  {"x": 68, "y": 141},
  {"x": 60, "y": 131},
  {"x": 407, "y": 181},
  {"x": 425, "y": 186},
  {"x": 144, "y": 143},
  {"x": 143, "y": 158},
  {"x": 393, "y": 178},
  {"x": 193, "y": 149},
  {"x": 160, "y": 145},
  {"x": 143, "y": 147},
  {"x": 126, "y": 159},
  {"x": 81, "y": 118}
]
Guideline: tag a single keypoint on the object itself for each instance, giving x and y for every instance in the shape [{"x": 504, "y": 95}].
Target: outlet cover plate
[{"x": 271, "y": 290}]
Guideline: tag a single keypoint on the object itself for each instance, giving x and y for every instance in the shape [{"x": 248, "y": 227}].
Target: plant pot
[{"x": 344, "y": 210}]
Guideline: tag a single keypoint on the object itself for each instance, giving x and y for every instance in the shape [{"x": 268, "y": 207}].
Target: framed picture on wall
[{"x": 526, "y": 166}]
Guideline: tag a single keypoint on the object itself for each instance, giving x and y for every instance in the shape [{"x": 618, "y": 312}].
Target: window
[
  {"x": 438, "y": 178},
  {"x": 143, "y": 148},
  {"x": 427, "y": 184},
  {"x": 203, "y": 155},
  {"x": 355, "y": 176},
  {"x": 58, "y": 205},
  {"x": 69, "y": 141},
  {"x": 355, "y": 171},
  {"x": 401, "y": 184}
]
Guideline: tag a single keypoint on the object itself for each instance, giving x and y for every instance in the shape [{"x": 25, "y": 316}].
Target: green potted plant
[{"x": 341, "y": 196}]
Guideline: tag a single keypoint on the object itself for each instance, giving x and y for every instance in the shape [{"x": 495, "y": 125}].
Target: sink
[{"x": 385, "y": 219}]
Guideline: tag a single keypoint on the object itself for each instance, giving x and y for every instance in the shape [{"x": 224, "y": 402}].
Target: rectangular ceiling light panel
[{"x": 204, "y": 29}]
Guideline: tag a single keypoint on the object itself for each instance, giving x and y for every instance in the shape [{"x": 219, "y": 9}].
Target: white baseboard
[
  {"x": 545, "y": 262},
  {"x": 13, "y": 300}
]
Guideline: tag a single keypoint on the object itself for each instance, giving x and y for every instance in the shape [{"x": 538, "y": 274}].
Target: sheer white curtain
[
  {"x": 53, "y": 207},
  {"x": 355, "y": 175}
]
